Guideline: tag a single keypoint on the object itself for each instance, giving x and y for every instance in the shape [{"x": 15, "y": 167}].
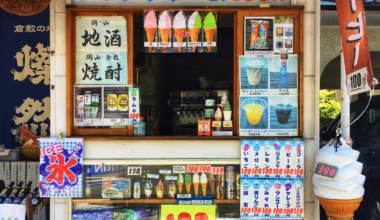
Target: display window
[
  {"x": 193, "y": 73},
  {"x": 152, "y": 191}
]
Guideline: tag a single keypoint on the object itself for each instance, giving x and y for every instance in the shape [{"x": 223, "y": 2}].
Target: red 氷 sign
[{"x": 357, "y": 60}]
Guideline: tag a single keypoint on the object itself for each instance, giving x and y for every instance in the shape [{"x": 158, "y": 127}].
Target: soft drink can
[
  {"x": 230, "y": 174},
  {"x": 136, "y": 190},
  {"x": 230, "y": 191},
  {"x": 220, "y": 192},
  {"x": 237, "y": 178},
  {"x": 220, "y": 180}
]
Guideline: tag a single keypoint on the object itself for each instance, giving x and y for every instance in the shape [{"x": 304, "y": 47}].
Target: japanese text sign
[
  {"x": 272, "y": 159},
  {"x": 61, "y": 167},
  {"x": 356, "y": 52},
  {"x": 134, "y": 105},
  {"x": 101, "y": 50},
  {"x": 271, "y": 198}
]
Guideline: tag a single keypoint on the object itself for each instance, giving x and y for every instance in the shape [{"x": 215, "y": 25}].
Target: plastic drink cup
[
  {"x": 254, "y": 109},
  {"x": 87, "y": 111},
  {"x": 254, "y": 71},
  {"x": 94, "y": 111}
]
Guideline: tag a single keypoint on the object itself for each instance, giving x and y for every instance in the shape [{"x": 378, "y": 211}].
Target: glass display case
[{"x": 148, "y": 191}]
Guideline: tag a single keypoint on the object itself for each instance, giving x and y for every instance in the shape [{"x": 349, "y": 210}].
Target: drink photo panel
[
  {"x": 283, "y": 75},
  {"x": 253, "y": 116},
  {"x": 253, "y": 76},
  {"x": 283, "y": 115}
]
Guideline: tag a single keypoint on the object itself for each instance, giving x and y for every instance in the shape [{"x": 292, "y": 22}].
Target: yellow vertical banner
[{"x": 188, "y": 212}]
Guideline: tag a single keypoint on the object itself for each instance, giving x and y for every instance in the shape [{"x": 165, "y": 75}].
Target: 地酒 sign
[
  {"x": 356, "y": 52},
  {"x": 101, "y": 50}
]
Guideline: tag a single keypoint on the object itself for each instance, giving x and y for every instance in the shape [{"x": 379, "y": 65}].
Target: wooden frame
[{"x": 238, "y": 12}]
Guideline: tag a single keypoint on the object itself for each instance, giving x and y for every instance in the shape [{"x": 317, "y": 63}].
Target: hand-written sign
[
  {"x": 134, "y": 105},
  {"x": 101, "y": 34},
  {"x": 325, "y": 170},
  {"x": 101, "y": 68}
]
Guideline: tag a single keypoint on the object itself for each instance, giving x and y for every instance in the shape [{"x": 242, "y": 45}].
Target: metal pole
[{"x": 345, "y": 103}]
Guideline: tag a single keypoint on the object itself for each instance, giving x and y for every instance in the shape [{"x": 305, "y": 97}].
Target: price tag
[
  {"x": 164, "y": 44},
  {"x": 205, "y": 168},
  {"x": 258, "y": 54},
  {"x": 217, "y": 170},
  {"x": 170, "y": 177},
  {"x": 192, "y": 169},
  {"x": 165, "y": 172},
  {"x": 216, "y": 124},
  {"x": 134, "y": 171},
  {"x": 88, "y": 122},
  {"x": 150, "y": 44},
  {"x": 153, "y": 176},
  {"x": 179, "y": 169},
  {"x": 357, "y": 82},
  {"x": 325, "y": 170}
]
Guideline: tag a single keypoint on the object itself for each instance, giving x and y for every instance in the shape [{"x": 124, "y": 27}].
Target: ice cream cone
[
  {"x": 188, "y": 188},
  {"x": 164, "y": 35},
  {"x": 150, "y": 32},
  {"x": 209, "y": 36},
  {"x": 211, "y": 181},
  {"x": 194, "y": 32},
  {"x": 179, "y": 37},
  {"x": 196, "y": 188},
  {"x": 204, "y": 188},
  {"x": 218, "y": 118},
  {"x": 340, "y": 209},
  {"x": 160, "y": 194},
  {"x": 180, "y": 185}
]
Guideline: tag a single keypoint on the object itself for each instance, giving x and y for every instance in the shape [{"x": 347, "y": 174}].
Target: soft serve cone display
[
  {"x": 209, "y": 26},
  {"x": 150, "y": 26},
  {"x": 179, "y": 26},
  {"x": 194, "y": 26},
  {"x": 165, "y": 26},
  {"x": 340, "y": 196}
]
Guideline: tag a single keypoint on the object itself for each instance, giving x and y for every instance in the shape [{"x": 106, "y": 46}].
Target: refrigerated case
[{"x": 121, "y": 188}]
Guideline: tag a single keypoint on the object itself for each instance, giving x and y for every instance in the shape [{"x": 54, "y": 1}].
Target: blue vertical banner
[{"x": 25, "y": 75}]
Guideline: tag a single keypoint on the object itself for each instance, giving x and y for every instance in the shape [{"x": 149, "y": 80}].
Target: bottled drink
[
  {"x": 6, "y": 192},
  {"x": 283, "y": 73},
  {"x": 24, "y": 191},
  {"x": 32, "y": 194},
  {"x": 14, "y": 193},
  {"x": 36, "y": 199}
]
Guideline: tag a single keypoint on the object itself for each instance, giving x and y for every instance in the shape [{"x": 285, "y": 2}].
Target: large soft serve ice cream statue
[{"x": 340, "y": 196}]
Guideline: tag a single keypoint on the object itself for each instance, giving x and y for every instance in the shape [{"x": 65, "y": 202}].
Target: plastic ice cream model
[
  {"x": 180, "y": 181},
  {"x": 218, "y": 115},
  {"x": 224, "y": 98},
  {"x": 204, "y": 181},
  {"x": 164, "y": 25},
  {"x": 188, "y": 182},
  {"x": 211, "y": 181},
  {"x": 160, "y": 190},
  {"x": 227, "y": 112},
  {"x": 179, "y": 26},
  {"x": 196, "y": 183},
  {"x": 148, "y": 189},
  {"x": 288, "y": 148},
  {"x": 209, "y": 25},
  {"x": 150, "y": 25},
  {"x": 172, "y": 190},
  {"x": 194, "y": 25},
  {"x": 346, "y": 188}
]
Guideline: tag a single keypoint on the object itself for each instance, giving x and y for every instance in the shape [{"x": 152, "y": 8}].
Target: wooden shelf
[
  {"x": 162, "y": 201},
  {"x": 183, "y": 138}
]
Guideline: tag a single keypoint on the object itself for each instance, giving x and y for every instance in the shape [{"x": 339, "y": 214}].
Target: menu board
[
  {"x": 272, "y": 198},
  {"x": 258, "y": 37},
  {"x": 272, "y": 159},
  {"x": 101, "y": 50},
  {"x": 283, "y": 34},
  {"x": 268, "y": 101}
]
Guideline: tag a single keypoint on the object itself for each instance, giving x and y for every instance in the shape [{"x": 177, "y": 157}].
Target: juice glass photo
[
  {"x": 254, "y": 109},
  {"x": 279, "y": 31},
  {"x": 283, "y": 112},
  {"x": 254, "y": 71}
]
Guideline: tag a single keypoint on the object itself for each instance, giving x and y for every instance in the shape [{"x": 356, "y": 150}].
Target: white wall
[{"x": 60, "y": 207}]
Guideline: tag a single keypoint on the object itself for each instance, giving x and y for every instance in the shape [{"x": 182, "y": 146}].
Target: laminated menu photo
[{"x": 116, "y": 188}]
